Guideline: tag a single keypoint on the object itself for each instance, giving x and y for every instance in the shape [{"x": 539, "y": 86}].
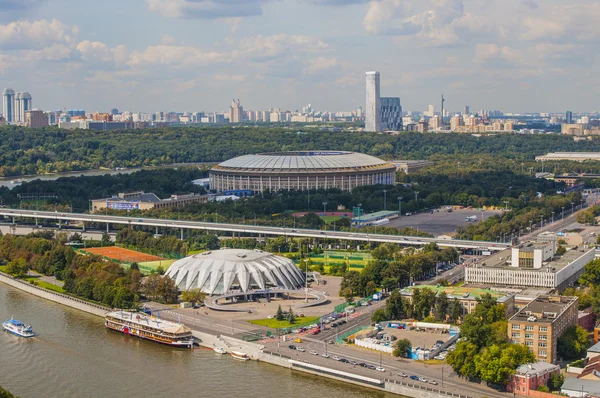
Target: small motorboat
[
  {"x": 219, "y": 350},
  {"x": 17, "y": 327},
  {"x": 239, "y": 356}
]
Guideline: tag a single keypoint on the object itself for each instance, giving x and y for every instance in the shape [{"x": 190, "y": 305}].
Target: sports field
[{"x": 123, "y": 255}]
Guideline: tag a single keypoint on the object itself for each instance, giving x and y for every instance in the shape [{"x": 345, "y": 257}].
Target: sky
[{"x": 196, "y": 55}]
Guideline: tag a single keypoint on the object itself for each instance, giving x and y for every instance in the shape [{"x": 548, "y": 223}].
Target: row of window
[
  {"x": 530, "y": 328},
  {"x": 529, "y": 336}
]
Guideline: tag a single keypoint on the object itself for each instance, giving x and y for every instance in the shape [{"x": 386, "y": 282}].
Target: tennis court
[{"x": 121, "y": 254}]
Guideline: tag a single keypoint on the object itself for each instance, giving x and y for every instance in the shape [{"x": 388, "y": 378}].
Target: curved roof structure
[
  {"x": 310, "y": 161},
  {"x": 220, "y": 271}
]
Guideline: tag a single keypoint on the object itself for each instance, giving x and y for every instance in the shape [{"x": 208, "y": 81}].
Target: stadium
[
  {"x": 300, "y": 171},
  {"x": 221, "y": 271}
]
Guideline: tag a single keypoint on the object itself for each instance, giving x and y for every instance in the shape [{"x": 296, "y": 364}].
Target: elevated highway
[{"x": 15, "y": 214}]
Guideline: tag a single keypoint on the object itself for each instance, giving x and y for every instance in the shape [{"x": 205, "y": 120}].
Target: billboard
[{"x": 123, "y": 205}]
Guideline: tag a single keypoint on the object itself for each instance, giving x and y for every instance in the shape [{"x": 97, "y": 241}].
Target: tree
[
  {"x": 455, "y": 310},
  {"x": 591, "y": 274},
  {"x": 348, "y": 294},
  {"x": 462, "y": 359},
  {"x": 291, "y": 318},
  {"x": 560, "y": 250},
  {"x": 497, "y": 363},
  {"x": 379, "y": 316},
  {"x": 371, "y": 288},
  {"x": 556, "y": 381},
  {"x": 106, "y": 239},
  {"x": 134, "y": 266},
  {"x": 5, "y": 394},
  {"x": 402, "y": 348},
  {"x": 193, "y": 296},
  {"x": 394, "y": 306},
  {"x": 573, "y": 342},
  {"x": 279, "y": 315},
  {"x": 18, "y": 267},
  {"x": 441, "y": 305}
]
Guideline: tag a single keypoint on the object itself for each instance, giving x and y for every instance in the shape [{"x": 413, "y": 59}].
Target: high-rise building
[
  {"x": 455, "y": 122},
  {"x": 22, "y": 105},
  {"x": 359, "y": 112},
  {"x": 36, "y": 118},
  {"x": 373, "y": 103},
  {"x": 467, "y": 110},
  {"x": 391, "y": 113},
  {"x": 236, "y": 112},
  {"x": 569, "y": 117},
  {"x": 8, "y": 105},
  {"x": 436, "y": 123},
  {"x": 431, "y": 111}
]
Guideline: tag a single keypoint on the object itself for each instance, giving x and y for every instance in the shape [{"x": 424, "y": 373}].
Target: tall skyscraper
[
  {"x": 236, "y": 112},
  {"x": 569, "y": 117},
  {"x": 391, "y": 113},
  {"x": 23, "y": 102},
  {"x": 467, "y": 110},
  {"x": 8, "y": 105},
  {"x": 431, "y": 111},
  {"x": 373, "y": 105}
]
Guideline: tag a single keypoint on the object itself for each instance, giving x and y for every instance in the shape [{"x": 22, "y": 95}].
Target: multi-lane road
[{"x": 15, "y": 214}]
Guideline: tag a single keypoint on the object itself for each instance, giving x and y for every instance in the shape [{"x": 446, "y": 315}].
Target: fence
[
  {"x": 425, "y": 388},
  {"x": 342, "y": 339}
]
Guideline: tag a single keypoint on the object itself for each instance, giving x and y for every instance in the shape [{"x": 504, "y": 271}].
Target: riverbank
[{"x": 255, "y": 351}]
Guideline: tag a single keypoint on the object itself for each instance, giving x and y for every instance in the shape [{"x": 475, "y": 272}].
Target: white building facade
[{"x": 373, "y": 103}]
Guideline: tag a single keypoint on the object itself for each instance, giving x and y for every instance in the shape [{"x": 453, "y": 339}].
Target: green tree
[
  {"x": 18, "y": 267},
  {"x": 573, "y": 342},
  {"x": 6, "y": 394},
  {"x": 348, "y": 295},
  {"x": 556, "y": 381},
  {"x": 462, "y": 359},
  {"x": 106, "y": 239},
  {"x": 196, "y": 296},
  {"x": 279, "y": 313},
  {"x": 560, "y": 250},
  {"x": 371, "y": 288},
  {"x": 134, "y": 266},
  {"x": 591, "y": 274},
  {"x": 543, "y": 388},
  {"x": 394, "y": 306},
  {"x": 497, "y": 363},
  {"x": 442, "y": 305},
  {"x": 455, "y": 310},
  {"x": 402, "y": 348},
  {"x": 291, "y": 318},
  {"x": 379, "y": 316}
]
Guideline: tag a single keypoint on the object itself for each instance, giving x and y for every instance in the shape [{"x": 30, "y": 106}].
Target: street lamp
[
  {"x": 563, "y": 213},
  {"x": 552, "y": 217},
  {"x": 572, "y": 207},
  {"x": 385, "y": 199},
  {"x": 399, "y": 206},
  {"x": 324, "y": 208}
]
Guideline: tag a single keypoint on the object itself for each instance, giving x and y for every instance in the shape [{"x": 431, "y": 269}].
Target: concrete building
[
  {"x": 144, "y": 201},
  {"x": 236, "y": 112},
  {"x": 411, "y": 166},
  {"x": 23, "y": 102},
  {"x": 575, "y": 156},
  {"x": 574, "y": 387},
  {"x": 539, "y": 325},
  {"x": 301, "y": 171},
  {"x": 36, "y": 119},
  {"x": 373, "y": 102},
  {"x": 8, "y": 105},
  {"x": 391, "y": 113},
  {"x": 456, "y": 121},
  {"x": 569, "y": 117},
  {"x": 532, "y": 255},
  {"x": 530, "y": 376}
]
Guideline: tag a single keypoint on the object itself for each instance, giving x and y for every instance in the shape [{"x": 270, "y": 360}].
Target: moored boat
[
  {"x": 150, "y": 328},
  {"x": 17, "y": 327},
  {"x": 220, "y": 350},
  {"x": 239, "y": 355}
]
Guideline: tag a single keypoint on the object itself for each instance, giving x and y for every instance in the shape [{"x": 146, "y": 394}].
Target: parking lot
[
  {"x": 441, "y": 222},
  {"x": 420, "y": 339}
]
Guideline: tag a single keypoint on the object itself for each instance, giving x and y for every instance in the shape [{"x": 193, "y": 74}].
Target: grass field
[
  {"x": 330, "y": 219},
  {"x": 275, "y": 324},
  {"x": 121, "y": 254},
  {"x": 44, "y": 284},
  {"x": 152, "y": 265}
]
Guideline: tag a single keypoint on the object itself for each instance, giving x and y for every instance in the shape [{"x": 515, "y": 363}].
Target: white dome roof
[{"x": 219, "y": 271}]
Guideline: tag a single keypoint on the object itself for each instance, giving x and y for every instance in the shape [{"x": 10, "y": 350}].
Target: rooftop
[
  {"x": 462, "y": 292},
  {"x": 532, "y": 369},
  {"x": 502, "y": 259},
  {"x": 375, "y": 216},
  {"x": 544, "y": 309},
  {"x": 576, "y": 385},
  {"x": 594, "y": 348}
]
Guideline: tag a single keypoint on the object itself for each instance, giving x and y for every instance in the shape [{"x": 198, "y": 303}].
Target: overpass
[{"x": 15, "y": 214}]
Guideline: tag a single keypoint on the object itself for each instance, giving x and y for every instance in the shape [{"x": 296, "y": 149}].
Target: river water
[{"x": 74, "y": 355}]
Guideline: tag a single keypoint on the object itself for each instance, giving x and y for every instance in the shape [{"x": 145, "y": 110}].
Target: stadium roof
[{"x": 304, "y": 160}]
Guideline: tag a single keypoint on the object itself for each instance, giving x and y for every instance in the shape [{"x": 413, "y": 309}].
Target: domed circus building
[
  {"x": 220, "y": 271},
  {"x": 301, "y": 171}
]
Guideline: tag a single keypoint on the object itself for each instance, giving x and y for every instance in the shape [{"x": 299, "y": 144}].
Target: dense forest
[{"x": 37, "y": 151}]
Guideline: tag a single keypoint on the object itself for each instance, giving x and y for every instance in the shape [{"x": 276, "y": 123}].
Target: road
[{"x": 248, "y": 229}]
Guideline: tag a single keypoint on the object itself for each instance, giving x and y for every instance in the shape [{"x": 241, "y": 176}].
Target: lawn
[
  {"x": 330, "y": 219},
  {"x": 44, "y": 284},
  {"x": 3, "y": 268},
  {"x": 275, "y": 324}
]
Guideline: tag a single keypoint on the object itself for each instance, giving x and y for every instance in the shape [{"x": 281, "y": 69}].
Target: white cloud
[
  {"x": 498, "y": 55},
  {"x": 206, "y": 9},
  {"x": 320, "y": 64},
  {"x": 35, "y": 35},
  {"x": 98, "y": 54},
  {"x": 268, "y": 47},
  {"x": 175, "y": 56}
]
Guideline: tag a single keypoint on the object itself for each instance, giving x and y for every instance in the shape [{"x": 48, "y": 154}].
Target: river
[{"x": 74, "y": 355}]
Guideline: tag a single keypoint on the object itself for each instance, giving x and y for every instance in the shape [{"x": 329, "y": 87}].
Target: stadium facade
[{"x": 301, "y": 171}]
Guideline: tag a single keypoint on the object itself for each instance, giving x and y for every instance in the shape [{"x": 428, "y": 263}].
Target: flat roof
[
  {"x": 501, "y": 259},
  {"x": 376, "y": 215},
  {"x": 462, "y": 292},
  {"x": 545, "y": 309}
]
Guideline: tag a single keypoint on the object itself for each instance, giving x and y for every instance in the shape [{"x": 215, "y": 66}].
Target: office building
[
  {"x": 36, "y": 119},
  {"x": 569, "y": 117},
  {"x": 145, "y": 201},
  {"x": 373, "y": 103},
  {"x": 391, "y": 113},
  {"x": 22, "y": 105},
  {"x": 236, "y": 112},
  {"x": 540, "y": 323},
  {"x": 8, "y": 105},
  {"x": 467, "y": 110}
]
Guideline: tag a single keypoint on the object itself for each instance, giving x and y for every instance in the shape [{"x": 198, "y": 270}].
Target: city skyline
[{"x": 197, "y": 55}]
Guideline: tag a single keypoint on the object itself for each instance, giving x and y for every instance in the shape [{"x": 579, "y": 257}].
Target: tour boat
[
  {"x": 17, "y": 327},
  {"x": 220, "y": 350},
  {"x": 239, "y": 355},
  {"x": 150, "y": 328}
]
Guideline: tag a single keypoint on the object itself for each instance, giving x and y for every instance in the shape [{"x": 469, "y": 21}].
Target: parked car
[
  {"x": 380, "y": 369},
  {"x": 292, "y": 347},
  {"x": 433, "y": 382},
  {"x": 313, "y": 352},
  {"x": 414, "y": 378},
  {"x": 424, "y": 380},
  {"x": 325, "y": 355},
  {"x": 301, "y": 349},
  {"x": 401, "y": 374},
  {"x": 336, "y": 358}
]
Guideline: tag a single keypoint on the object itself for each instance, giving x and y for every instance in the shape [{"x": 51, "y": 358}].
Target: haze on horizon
[{"x": 196, "y": 55}]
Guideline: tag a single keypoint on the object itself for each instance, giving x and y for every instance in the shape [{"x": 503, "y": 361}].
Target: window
[
  {"x": 529, "y": 328},
  {"x": 543, "y": 337},
  {"x": 529, "y": 335},
  {"x": 516, "y": 327},
  {"x": 543, "y": 328},
  {"x": 529, "y": 343},
  {"x": 542, "y": 344},
  {"x": 542, "y": 353},
  {"x": 516, "y": 335}
]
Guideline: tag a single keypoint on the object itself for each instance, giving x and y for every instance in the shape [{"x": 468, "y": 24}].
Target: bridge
[{"x": 245, "y": 229}]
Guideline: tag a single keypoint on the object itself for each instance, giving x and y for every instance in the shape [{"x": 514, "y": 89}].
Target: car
[
  {"x": 414, "y": 378},
  {"x": 298, "y": 340},
  {"x": 362, "y": 364},
  {"x": 322, "y": 233},
  {"x": 292, "y": 347},
  {"x": 325, "y": 355},
  {"x": 334, "y": 325},
  {"x": 271, "y": 317},
  {"x": 353, "y": 362},
  {"x": 140, "y": 220},
  {"x": 433, "y": 382},
  {"x": 401, "y": 374},
  {"x": 372, "y": 367},
  {"x": 424, "y": 380},
  {"x": 313, "y": 352},
  {"x": 344, "y": 360},
  {"x": 331, "y": 342},
  {"x": 336, "y": 358},
  {"x": 380, "y": 369}
]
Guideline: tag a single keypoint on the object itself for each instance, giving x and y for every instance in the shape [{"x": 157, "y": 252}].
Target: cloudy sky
[{"x": 195, "y": 55}]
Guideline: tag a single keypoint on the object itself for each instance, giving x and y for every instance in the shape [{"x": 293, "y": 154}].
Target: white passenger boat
[
  {"x": 220, "y": 350},
  {"x": 150, "y": 328},
  {"x": 239, "y": 355},
  {"x": 19, "y": 328}
]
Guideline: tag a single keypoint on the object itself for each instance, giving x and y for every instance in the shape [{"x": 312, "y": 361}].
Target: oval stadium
[{"x": 300, "y": 171}]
